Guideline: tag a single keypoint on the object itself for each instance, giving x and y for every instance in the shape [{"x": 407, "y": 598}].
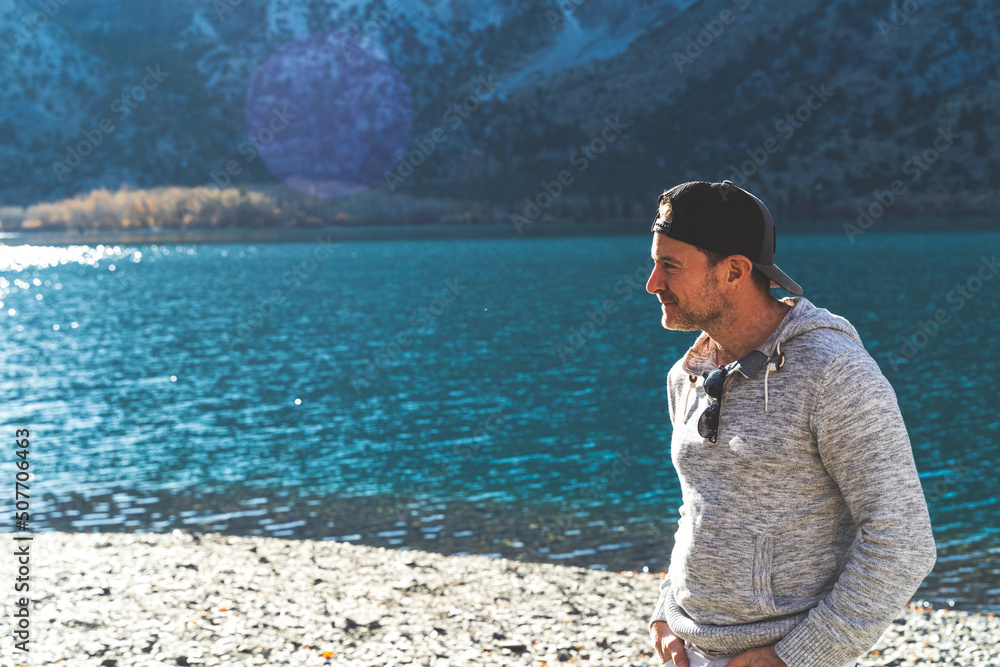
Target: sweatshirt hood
[
  {"x": 803, "y": 317},
  {"x": 701, "y": 358}
]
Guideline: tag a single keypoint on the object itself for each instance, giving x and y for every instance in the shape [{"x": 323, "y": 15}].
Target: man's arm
[
  {"x": 660, "y": 612},
  {"x": 667, "y": 644},
  {"x": 864, "y": 446}
]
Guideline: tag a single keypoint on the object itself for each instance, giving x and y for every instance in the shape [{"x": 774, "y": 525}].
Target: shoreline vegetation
[
  {"x": 280, "y": 213},
  {"x": 155, "y": 599}
]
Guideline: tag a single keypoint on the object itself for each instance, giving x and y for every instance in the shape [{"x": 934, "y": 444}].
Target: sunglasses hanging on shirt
[{"x": 708, "y": 423}]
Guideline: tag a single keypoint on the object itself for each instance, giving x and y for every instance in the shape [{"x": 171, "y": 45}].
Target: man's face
[{"x": 685, "y": 285}]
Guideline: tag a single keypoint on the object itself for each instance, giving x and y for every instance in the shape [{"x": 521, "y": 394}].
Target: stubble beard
[{"x": 704, "y": 311}]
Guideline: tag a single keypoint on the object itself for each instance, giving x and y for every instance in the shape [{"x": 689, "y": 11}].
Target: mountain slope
[{"x": 815, "y": 105}]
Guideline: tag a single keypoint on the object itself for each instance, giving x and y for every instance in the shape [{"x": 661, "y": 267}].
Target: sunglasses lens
[
  {"x": 714, "y": 383},
  {"x": 708, "y": 423}
]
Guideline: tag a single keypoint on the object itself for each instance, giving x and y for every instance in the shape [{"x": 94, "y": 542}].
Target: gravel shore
[{"x": 116, "y": 600}]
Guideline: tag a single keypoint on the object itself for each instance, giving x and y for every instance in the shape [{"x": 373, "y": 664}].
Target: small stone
[{"x": 513, "y": 647}]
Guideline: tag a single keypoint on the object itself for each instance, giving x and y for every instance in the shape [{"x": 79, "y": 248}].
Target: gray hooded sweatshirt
[{"x": 804, "y": 526}]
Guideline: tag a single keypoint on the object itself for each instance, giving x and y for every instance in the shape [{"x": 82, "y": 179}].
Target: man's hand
[
  {"x": 757, "y": 657},
  {"x": 668, "y": 645}
]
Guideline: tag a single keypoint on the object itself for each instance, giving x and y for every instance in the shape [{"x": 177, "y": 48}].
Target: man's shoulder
[
  {"x": 824, "y": 339},
  {"x": 832, "y": 353},
  {"x": 820, "y": 331}
]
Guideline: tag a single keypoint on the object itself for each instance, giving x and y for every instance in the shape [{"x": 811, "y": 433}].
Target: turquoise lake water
[{"x": 496, "y": 396}]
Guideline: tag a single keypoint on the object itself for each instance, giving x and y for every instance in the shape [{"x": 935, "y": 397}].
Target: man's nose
[{"x": 654, "y": 285}]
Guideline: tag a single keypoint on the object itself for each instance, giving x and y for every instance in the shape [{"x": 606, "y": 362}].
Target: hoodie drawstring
[
  {"x": 694, "y": 380},
  {"x": 773, "y": 366}
]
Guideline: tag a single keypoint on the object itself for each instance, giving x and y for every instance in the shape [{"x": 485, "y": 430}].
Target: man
[{"x": 804, "y": 530}]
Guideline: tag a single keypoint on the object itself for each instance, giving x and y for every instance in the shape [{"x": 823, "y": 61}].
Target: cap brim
[{"x": 780, "y": 278}]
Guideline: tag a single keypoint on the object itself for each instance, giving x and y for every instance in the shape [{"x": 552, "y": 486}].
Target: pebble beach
[{"x": 120, "y": 599}]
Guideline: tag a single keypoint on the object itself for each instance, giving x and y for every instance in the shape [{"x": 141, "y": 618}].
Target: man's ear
[{"x": 738, "y": 270}]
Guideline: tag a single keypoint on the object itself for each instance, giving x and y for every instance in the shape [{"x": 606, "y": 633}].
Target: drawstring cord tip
[{"x": 773, "y": 366}]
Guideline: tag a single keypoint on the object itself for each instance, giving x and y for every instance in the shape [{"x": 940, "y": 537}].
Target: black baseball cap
[{"x": 726, "y": 219}]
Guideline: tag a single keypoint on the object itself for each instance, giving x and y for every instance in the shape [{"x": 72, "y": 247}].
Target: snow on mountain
[{"x": 564, "y": 65}]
